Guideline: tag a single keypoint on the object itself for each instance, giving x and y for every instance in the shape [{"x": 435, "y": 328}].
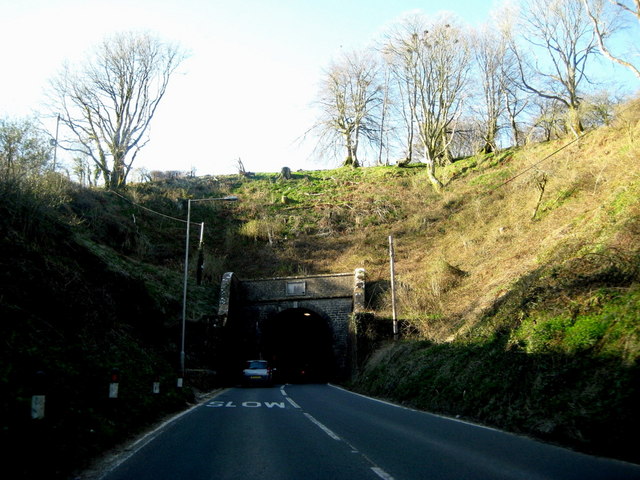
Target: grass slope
[{"x": 517, "y": 284}]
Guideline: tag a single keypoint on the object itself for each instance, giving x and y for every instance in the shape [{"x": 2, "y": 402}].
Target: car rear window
[{"x": 256, "y": 365}]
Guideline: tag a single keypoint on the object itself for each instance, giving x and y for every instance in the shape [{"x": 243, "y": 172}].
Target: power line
[
  {"x": 533, "y": 165},
  {"x": 148, "y": 209},
  {"x": 620, "y": 112}
]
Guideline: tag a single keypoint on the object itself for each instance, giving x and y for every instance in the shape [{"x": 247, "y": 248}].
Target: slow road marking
[{"x": 249, "y": 404}]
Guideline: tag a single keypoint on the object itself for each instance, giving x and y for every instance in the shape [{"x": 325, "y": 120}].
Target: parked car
[{"x": 257, "y": 372}]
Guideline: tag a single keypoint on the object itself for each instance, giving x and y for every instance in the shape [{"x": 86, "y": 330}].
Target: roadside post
[
  {"x": 38, "y": 397},
  {"x": 114, "y": 383},
  {"x": 393, "y": 287}
]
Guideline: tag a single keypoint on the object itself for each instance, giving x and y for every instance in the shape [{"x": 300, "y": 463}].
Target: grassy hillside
[
  {"x": 518, "y": 284},
  {"x": 517, "y": 288},
  {"x": 459, "y": 252}
]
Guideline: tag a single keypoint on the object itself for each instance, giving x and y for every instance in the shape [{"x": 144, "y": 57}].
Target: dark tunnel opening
[{"x": 298, "y": 343}]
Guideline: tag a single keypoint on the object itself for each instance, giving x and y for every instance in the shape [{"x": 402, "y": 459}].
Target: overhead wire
[
  {"x": 533, "y": 165},
  {"x": 149, "y": 209}
]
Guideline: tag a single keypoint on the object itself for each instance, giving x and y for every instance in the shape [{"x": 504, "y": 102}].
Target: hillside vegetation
[
  {"x": 518, "y": 284},
  {"x": 518, "y": 289}
]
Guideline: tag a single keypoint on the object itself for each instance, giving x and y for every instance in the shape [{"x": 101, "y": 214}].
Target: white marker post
[
  {"x": 393, "y": 287},
  {"x": 114, "y": 384},
  {"x": 38, "y": 399},
  {"x": 37, "y": 407}
]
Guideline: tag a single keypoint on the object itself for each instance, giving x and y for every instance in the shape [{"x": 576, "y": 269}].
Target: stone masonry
[{"x": 333, "y": 297}]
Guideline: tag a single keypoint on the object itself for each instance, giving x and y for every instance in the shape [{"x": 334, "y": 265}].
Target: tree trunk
[
  {"x": 352, "y": 158},
  {"x": 490, "y": 138},
  {"x": 431, "y": 171},
  {"x": 574, "y": 122},
  {"x": 117, "y": 179},
  {"x": 515, "y": 135}
]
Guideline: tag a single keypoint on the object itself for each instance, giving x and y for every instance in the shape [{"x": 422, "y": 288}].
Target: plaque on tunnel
[{"x": 298, "y": 287}]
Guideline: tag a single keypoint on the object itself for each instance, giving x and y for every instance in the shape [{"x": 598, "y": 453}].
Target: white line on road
[
  {"x": 381, "y": 473},
  {"x": 374, "y": 468},
  {"x": 322, "y": 427},
  {"x": 130, "y": 450},
  {"x": 453, "y": 419}
]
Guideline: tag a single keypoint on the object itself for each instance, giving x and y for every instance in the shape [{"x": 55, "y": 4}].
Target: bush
[{"x": 585, "y": 333}]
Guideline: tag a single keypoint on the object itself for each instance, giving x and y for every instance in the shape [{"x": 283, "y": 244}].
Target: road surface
[{"x": 303, "y": 432}]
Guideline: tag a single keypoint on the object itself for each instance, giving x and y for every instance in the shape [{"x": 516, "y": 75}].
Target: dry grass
[{"x": 482, "y": 224}]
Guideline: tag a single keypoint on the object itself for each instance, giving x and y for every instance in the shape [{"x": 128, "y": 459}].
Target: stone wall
[{"x": 334, "y": 297}]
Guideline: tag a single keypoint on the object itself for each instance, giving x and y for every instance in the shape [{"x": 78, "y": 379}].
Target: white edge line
[
  {"x": 133, "y": 448},
  {"x": 385, "y": 402},
  {"x": 322, "y": 427}
]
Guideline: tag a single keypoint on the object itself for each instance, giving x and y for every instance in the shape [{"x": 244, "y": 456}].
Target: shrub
[{"x": 585, "y": 333}]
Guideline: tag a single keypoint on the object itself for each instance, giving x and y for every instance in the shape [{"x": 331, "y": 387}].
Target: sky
[{"x": 246, "y": 88}]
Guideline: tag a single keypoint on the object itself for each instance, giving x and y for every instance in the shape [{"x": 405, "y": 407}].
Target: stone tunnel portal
[
  {"x": 298, "y": 343},
  {"x": 302, "y": 324}
]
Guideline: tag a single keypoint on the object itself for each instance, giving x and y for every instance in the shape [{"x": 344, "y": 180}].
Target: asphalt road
[{"x": 323, "y": 432}]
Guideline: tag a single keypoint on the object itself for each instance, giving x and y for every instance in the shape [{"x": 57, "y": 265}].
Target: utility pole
[
  {"x": 228, "y": 198},
  {"x": 200, "y": 264},
  {"x": 55, "y": 143},
  {"x": 393, "y": 287}
]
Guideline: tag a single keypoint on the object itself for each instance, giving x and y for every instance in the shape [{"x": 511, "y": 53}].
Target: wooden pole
[{"x": 393, "y": 287}]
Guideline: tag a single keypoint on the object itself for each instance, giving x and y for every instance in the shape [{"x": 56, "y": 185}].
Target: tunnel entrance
[{"x": 298, "y": 343}]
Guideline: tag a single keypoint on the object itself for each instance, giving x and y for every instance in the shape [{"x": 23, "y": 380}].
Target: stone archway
[{"x": 248, "y": 306}]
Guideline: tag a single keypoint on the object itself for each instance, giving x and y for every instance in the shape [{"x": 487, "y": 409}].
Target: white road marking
[
  {"x": 293, "y": 404},
  {"x": 453, "y": 419},
  {"x": 140, "y": 443},
  {"x": 381, "y": 473},
  {"x": 374, "y": 468},
  {"x": 248, "y": 404},
  {"x": 322, "y": 427}
]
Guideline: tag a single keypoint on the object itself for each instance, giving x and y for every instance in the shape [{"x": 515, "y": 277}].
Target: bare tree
[
  {"x": 107, "y": 103},
  {"x": 348, "y": 100},
  {"x": 400, "y": 52},
  {"x": 383, "y": 136},
  {"x": 602, "y": 30},
  {"x": 23, "y": 149},
  {"x": 561, "y": 29},
  {"x": 516, "y": 100},
  {"x": 85, "y": 171},
  {"x": 432, "y": 60},
  {"x": 548, "y": 120},
  {"x": 490, "y": 50}
]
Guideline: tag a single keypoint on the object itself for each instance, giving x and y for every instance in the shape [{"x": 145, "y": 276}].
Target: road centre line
[
  {"x": 381, "y": 473},
  {"x": 293, "y": 404},
  {"x": 374, "y": 468},
  {"x": 322, "y": 427}
]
